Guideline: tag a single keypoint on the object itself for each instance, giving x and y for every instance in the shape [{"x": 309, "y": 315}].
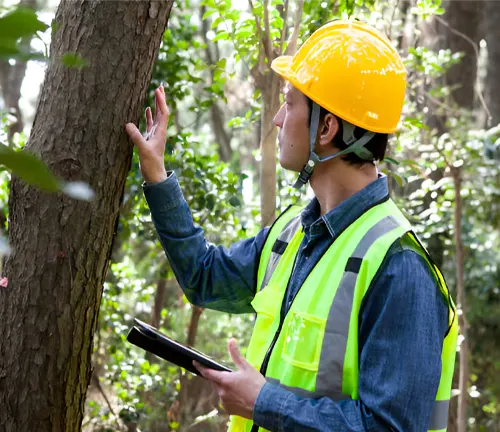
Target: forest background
[{"x": 214, "y": 61}]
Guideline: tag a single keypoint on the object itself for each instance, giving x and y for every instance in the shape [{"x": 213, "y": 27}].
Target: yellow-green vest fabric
[{"x": 316, "y": 352}]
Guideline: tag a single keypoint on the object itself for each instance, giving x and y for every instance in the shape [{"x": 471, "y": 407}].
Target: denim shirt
[{"x": 402, "y": 322}]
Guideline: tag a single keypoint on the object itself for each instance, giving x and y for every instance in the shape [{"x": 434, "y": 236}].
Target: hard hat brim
[{"x": 282, "y": 66}]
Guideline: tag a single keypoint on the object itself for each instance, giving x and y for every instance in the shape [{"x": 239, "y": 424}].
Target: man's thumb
[
  {"x": 134, "y": 134},
  {"x": 236, "y": 355}
]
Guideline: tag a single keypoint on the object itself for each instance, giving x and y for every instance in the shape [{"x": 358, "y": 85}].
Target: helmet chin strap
[{"x": 356, "y": 146}]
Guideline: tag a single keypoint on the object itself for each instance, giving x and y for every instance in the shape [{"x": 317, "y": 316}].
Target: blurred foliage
[{"x": 131, "y": 390}]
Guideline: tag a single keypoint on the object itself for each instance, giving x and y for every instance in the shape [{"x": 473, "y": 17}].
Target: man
[{"x": 355, "y": 327}]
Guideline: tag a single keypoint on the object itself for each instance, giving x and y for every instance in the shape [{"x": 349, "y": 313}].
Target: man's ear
[{"x": 327, "y": 130}]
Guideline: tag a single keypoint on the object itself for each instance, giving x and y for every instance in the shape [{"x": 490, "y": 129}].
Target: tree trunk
[
  {"x": 269, "y": 133},
  {"x": 464, "y": 18},
  {"x": 157, "y": 308},
  {"x": 492, "y": 84},
  {"x": 61, "y": 247},
  {"x": 186, "y": 404},
  {"x": 221, "y": 136},
  {"x": 459, "y": 31},
  {"x": 462, "y": 303},
  {"x": 268, "y": 82}
]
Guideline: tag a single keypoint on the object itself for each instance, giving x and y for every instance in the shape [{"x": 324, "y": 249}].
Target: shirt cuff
[
  {"x": 269, "y": 408},
  {"x": 165, "y": 195}
]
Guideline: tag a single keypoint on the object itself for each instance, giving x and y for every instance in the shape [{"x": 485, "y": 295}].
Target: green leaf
[
  {"x": 222, "y": 35},
  {"x": 8, "y": 47},
  {"x": 400, "y": 180},
  {"x": 221, "y": 63},
  {"x": 211, "y": 200},
  {"x": 19, "y": 23},
  {"x": 74, "y": 60},
  {"x": 208, "y": 13},
  {"x": 33, "y": 171},
  {"x": 235, "y": 201},
  {"x": 29, "y": 168},
  {"x": 391, "y": 160},
  {"x": 217, "y": 21}
]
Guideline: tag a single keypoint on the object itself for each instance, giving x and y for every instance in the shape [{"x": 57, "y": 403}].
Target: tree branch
[
  {"x": 264, "y": 35},
  {"x": 292, "y": 45},
  {"x": 396, "y": 6},
  {"x": 476, "y": 52},
  {"x": 285, "y": 27},
  {"x": 268, "y": 43}
]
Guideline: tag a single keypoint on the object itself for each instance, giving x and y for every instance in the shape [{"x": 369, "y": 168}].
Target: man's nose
[{"x": 279, "y": 117}]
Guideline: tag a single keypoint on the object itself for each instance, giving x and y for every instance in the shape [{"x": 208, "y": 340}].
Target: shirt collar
[{"x": 340, "y": 217}]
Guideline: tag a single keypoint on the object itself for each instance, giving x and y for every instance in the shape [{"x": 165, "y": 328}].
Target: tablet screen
[
  {"x": 185, "y": 354},
  {"x": 167, "y": 339}
]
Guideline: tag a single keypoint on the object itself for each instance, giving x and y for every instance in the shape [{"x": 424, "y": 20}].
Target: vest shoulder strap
[{"x": 280, "y": 234}]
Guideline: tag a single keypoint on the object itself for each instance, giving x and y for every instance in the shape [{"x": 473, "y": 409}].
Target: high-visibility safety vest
[{"x": 312, "y": 350}]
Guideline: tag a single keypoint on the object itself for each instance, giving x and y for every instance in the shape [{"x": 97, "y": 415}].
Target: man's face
[{"x": 293, "y": 137}]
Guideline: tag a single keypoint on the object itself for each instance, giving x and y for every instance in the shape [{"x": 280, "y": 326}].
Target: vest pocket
[{"x": 303, "y": 340}]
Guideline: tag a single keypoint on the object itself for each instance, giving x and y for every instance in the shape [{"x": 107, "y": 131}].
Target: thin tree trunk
[
  {"x": 462, "y": 303},
  {"x": 268, "y": 82},
  {"x": 61, "y": 247},
  {"x": 492, "y": 84},
  {"x": 193, "y": 325},
  {"x": 186, "y": 380},
  {"x": 158, "y": 305},
  {"x": 221, "y": 136},
  {"x": 157, "y": 308},
  {"x": 269, "y": 134}
]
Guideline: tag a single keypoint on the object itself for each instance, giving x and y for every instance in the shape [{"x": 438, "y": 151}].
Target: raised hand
[{"x": 151, "y": 147}]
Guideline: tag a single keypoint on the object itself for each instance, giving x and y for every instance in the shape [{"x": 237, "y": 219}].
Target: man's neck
[{"x": 333, "y": 183}]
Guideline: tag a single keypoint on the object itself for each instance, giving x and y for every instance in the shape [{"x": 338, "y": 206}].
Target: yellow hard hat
[{"x": 353, "y": 71}]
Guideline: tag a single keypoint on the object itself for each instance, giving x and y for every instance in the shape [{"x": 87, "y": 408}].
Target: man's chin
[{"x": 286, "y": 165}]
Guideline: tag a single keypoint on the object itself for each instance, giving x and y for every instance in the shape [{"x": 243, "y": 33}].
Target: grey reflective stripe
[
  {"x": 306, "y": 393},
  {"x": 439, "y": 417},
  {"x": 285, "y": 236},
  {"x": 333, "y": 350}
]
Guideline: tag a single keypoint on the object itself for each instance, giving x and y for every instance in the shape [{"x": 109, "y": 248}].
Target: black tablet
[{"x": 150, "y": 339}]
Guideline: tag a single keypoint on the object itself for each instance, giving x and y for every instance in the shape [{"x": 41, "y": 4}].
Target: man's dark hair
[{"x": 377, "y": 145}]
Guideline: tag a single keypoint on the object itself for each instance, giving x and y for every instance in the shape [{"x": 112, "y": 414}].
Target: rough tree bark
[{"x": 61, "y": 247}]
